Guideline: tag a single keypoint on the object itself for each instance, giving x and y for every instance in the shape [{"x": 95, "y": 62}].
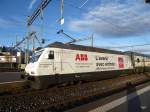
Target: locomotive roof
[
  {"x": 137, "y": 54},
  {"x": 82, "y": 48}
]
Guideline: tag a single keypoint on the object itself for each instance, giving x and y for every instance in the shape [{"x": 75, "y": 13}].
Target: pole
[
  {"x": 42, "y": 25},
  {"x": 16, "y": 40},
  {"x": 62, "y": 12},
  {"x": 92, "y": 40},
  {"x": 27, "y": 51},
  {"x": 33, "y": 42}
]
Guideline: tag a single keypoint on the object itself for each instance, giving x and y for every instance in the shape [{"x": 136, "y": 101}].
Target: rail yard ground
[
  {"x": 132, "y": 99},
  {"x": 62, "y": 98}
]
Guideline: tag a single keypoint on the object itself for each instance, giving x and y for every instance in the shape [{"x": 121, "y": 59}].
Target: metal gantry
[
  {"x": 36, "y": 13},
  {"x": 73, "y": 40},
  {"x": 31, "y": 19}
]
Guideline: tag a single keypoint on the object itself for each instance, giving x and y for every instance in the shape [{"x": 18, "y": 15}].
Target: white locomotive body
[{"x": 59, "y": 63}]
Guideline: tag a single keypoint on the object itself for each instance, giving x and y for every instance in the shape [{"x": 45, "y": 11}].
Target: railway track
[
  {"x": 60, "y": 98},
  {"x": 9, "y": 70},
  {"x": 15, "y": 87}
]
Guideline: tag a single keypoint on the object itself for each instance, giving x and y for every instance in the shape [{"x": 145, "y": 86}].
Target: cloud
[
  {"x": 115, "y": 19},
  {"x": 5, "y": 23},
  {"x": 11, "y": 22},
  {"x": 31, "y": 4}
]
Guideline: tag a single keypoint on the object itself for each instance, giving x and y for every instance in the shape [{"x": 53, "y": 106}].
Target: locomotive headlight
[{"x": 32, "y": 72}]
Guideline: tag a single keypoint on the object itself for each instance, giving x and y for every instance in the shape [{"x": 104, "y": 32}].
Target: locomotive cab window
[
  {"x": 138, "y": 60},
  {"x": 51, "y": 55}
]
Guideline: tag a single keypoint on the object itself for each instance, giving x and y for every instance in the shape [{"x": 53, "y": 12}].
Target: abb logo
[
  {"x": 81, "y": 57},
  {"x": 121, "y": 62}
]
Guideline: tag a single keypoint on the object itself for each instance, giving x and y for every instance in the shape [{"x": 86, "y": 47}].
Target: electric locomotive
[{"x": 59, "y": 63}]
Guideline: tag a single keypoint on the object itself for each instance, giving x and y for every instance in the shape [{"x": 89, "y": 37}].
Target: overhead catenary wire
[
  {"x": 133, "y": 48},
  {"x": 83, "y": 3},
  {"x": 139, "y": 45},
  {"x": 35, "y": 14},
  {"x": 119, "y": 28}
]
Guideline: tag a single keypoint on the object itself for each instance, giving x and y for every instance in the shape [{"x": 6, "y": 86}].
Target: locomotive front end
[
  {"x": 32, "y": 66},
  {"x": 40, "y": 68}
]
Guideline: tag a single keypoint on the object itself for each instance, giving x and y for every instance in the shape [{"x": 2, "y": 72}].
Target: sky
[{"x": 113, "y": 23}]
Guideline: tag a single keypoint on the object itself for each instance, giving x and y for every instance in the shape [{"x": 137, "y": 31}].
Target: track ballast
[{"x": 60, "y": 98}]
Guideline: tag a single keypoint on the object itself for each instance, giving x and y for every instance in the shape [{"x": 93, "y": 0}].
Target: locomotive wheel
[{"x": 36, "y": 84}]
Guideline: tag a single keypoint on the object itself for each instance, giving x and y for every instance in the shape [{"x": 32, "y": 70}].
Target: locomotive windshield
[{"x": 35, "y": 56}]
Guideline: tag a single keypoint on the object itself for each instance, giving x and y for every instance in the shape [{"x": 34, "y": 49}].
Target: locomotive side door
[
  {"x": 57, "y": 62},
  {"x": 50, "y": 62}
]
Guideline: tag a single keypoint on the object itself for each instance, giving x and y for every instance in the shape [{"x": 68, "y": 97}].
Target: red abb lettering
[
  {"x": 85, "y": 57},
  {"x": 77, "y": 57},
  {"x": 81, "y": 57}
]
